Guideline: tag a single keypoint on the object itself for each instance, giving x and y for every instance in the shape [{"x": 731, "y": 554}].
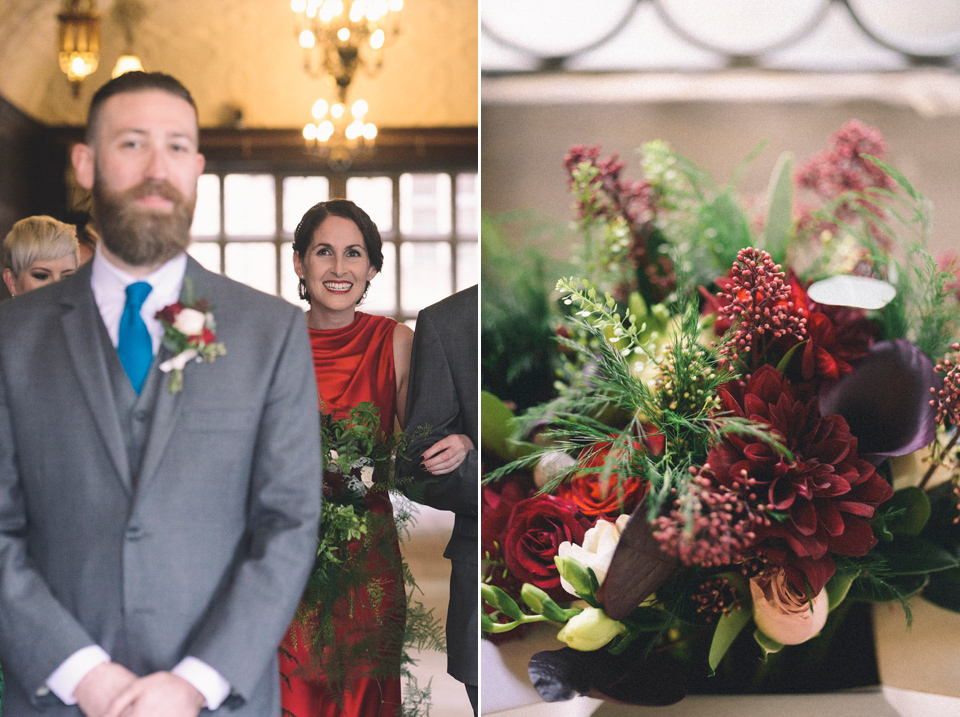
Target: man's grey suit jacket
[
  {"x": 442, "y": 395},
  {"x": 203, "y": 550}
]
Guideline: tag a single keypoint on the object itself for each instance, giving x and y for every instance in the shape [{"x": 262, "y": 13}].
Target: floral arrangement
[
  {"x": 354, "y": 547},
  {"x": 190, "y": 334},
  {"x": 754, "y": 431}
]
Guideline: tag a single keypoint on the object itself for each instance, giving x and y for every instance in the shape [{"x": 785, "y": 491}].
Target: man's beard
[{"x": 140, "y": 236}]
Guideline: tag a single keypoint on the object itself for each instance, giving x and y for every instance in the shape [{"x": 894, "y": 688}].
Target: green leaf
[
  {"x": 838, "y": 587},
  {"x": 915, "y": 556},
  {"x": 497, "y": 428},
  {"x": 767, "y": 644},
  {"x": 915, "y": 505},
  {"x": 728, "y": 627},
  {"x": 780, "y": 210},
  {"x": 944, "y": 590}
]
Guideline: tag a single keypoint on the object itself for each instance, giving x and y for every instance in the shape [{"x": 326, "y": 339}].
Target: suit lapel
[
  {"x": 168, "y": 405},
  {"x": 83, "y": 329}
]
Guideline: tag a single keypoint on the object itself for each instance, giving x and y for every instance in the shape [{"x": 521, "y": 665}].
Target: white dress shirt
[{"x": 109, "y": 285}]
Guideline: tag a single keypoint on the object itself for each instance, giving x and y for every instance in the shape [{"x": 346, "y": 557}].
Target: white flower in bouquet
[
  {"x": 596, "y": 551},
  {"x": 590, "y": 630}
]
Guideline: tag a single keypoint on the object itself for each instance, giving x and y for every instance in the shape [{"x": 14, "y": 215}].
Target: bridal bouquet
[
  {"x": 355, "y": 554},
  {"x": 754, "y": 429}
]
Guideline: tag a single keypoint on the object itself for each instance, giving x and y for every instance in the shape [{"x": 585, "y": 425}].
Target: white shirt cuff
[
  {"x": 209, "y": 683},
  {"x": 64, "y": 680}
]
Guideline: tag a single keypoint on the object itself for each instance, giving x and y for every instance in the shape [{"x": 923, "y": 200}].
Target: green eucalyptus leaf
[{"x": 728, "y": 627}]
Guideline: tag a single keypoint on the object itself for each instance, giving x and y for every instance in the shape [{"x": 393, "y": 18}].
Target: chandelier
[
  {"x": 340, "y": 36},
  {"x": 338, "y": 135},
  {"x": 79, "y": 40}
]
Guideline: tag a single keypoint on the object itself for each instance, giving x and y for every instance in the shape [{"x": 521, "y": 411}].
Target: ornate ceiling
[{"x": 243, "y": 55}]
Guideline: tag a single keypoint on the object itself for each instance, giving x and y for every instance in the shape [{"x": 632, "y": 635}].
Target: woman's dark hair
[{"x": 347, "y": 210}]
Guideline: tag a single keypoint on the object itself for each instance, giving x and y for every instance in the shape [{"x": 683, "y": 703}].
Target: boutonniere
[{"x": 189, "y": 332}]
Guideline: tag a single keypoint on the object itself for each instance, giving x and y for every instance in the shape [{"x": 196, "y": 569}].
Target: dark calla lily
[
  {"x": 637, "y": 569},
  {"x": 886, "y": 400},
  {"x": 635, "y": 676}
]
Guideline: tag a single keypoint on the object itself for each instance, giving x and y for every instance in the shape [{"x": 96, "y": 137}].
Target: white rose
[
  {"x": 782, "y": 613},
  {"x": 190, "y": 322},
  {"x": 597, "y": 548},
  {"x": 366, "y": 475},
  {"x": 590, "y": 630}
]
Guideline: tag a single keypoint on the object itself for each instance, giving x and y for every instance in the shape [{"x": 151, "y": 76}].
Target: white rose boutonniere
[{"x": 190, "y": 333}]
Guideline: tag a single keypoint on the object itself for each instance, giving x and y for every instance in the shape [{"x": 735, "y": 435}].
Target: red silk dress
[{"x": 355, "y": 365}]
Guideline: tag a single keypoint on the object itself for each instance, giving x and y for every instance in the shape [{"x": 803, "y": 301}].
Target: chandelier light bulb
[
  {"x": 325, "y": 130},
  {"x": 298, "y": 6},
  {"x": 369, "y": 131},
  {"x": 359, "y": 108},
  {"x": 307, "y": 40},
  {"x": 79, "y": 66},
  {"x": 330, "y": 10},
  {"x": 377, "y": 39},
  {"x": 320, "y": 108},
  {"x": 395, "y": 5},
  {"x": 310, "y": 132},
  {"x": 127, "y": 63},
  {"x": 356, "y": 12},
  {"x": 337, "y": 111},
  {"x": 343, "y": 34}
]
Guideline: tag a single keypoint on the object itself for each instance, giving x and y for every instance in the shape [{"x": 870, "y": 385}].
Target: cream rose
[
  {"x": 782, "y": 613},
  {"x": 190, "y": 322},
  {"x": 596, "y": 551},
  {"x": 590, "y": 630}
]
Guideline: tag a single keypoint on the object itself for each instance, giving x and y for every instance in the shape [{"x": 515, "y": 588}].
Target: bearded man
[{"x": 158, "y": 518}]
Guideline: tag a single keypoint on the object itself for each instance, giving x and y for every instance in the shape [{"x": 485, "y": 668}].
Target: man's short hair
[{"x": 132, "y": 82}]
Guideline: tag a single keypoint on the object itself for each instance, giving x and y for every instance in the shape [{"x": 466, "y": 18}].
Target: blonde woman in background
[{"x": 38, "y": 251}]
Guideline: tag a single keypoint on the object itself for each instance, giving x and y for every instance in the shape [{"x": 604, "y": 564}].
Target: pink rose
[{"x": 784, "y": 614}]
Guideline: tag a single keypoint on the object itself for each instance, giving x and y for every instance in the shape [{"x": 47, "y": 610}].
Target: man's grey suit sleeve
[
  {"x": 434, "y": 401},
  {"x": 45, "y": 623}
]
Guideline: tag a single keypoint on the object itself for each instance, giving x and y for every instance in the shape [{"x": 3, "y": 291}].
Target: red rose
[
  {"x": 537, "y": 527},
  {"x": 169, "y": 313},
  {"x": 599, "y": 493},
  {"x": 497, "y": 506}
]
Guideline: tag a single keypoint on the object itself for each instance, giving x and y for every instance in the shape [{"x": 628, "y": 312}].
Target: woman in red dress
[{"x": 358, "y": 358}]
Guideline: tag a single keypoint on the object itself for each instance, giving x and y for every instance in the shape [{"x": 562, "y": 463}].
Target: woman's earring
[{"x": 302, "y": 290}]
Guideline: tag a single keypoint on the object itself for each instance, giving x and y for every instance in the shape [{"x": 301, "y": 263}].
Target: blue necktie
[{"x": 134, "y": 345}]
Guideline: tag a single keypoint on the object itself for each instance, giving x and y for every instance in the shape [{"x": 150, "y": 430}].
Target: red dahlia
[{"x": 826, "y": 493}]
